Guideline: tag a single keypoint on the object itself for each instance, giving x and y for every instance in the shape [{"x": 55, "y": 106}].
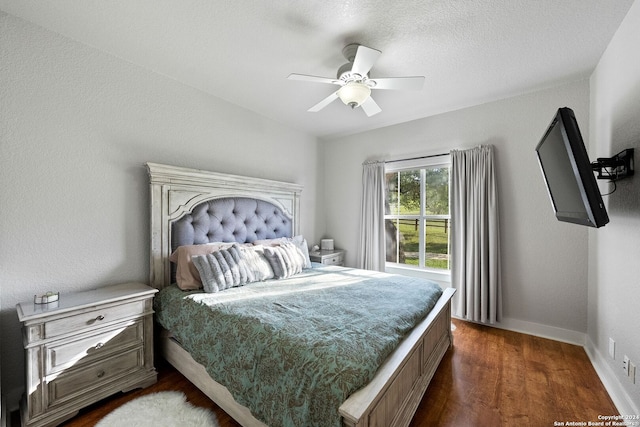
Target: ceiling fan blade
[
  {"x": 315, "y": 79},
  {"x": 398, "y": 83},
  {"x": 370, "y": 107},
  {"x": 320, "y": 105},
  {"x": 364, "y": 60}
]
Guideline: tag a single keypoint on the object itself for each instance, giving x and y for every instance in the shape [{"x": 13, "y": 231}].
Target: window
[{"x": 417, "y": 219}]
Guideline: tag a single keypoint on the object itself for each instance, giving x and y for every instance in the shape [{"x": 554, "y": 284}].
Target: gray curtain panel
[
  {"x": 475, "y": 237},
  {"x": 371, "y": 249}
]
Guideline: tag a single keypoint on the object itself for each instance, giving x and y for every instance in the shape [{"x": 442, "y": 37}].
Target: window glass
[
  {"x": 409, "y": 192},
  {"x": 437, "y": 191},
  {"x": 417, "y": 221},
  {"x": 436, "y": 236}
]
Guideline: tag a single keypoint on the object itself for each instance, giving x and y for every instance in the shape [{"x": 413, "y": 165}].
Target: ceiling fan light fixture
[{"x": 354, "y": 94}]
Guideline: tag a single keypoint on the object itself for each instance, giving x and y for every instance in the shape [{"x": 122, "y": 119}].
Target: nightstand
[
  {"x": 85, "y": 347},
  {"x": 332, "y": 257}
]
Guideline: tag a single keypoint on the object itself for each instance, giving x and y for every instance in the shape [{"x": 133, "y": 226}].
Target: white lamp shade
[{"x": 354, "y": 93}]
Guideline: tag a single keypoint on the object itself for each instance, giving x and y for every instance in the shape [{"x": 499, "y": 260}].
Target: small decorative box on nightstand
[
  {"x": 333, "y": 257},
  {"x": 85, "y": 347}
]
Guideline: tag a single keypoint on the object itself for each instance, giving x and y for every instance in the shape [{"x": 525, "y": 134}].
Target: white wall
[
  {"x": 544, "y": 262},
  {"x": 614, "y": 282},
  {"x": 77, "y": 127}
]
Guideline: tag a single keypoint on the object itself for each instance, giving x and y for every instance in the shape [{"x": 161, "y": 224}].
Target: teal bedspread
[{"x": 293, "y": 350}]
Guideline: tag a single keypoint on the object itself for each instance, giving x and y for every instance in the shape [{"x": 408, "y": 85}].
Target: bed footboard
[{"x": 393, "y": 396}]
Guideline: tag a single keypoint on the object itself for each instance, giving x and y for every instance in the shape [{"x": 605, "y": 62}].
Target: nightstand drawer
[
  {"x": 92, "y": 319},
  {"x": 326, "y": 257},
  {"x": 86, "y": 350},
  {"x": 337, "y": 259},
  {"x": 78, "y": 381}
]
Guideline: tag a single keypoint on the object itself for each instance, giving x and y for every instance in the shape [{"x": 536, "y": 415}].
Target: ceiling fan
[{"x": 353, "y": 77}]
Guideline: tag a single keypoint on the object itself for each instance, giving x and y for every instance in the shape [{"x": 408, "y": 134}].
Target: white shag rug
[{"x": 163, "y": 409}]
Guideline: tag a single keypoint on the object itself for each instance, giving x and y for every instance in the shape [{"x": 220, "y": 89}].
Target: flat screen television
[{"x": 567, "y": 171}]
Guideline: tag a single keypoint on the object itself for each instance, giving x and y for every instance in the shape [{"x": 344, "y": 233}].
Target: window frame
[{"x": 427, "y": 162}]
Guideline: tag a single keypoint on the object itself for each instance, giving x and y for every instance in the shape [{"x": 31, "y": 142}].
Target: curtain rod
[{"x": 417, "y": 158}]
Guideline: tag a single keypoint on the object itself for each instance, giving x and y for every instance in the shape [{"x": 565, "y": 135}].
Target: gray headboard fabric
[
  {"x": 230, "y": 219},
  {"x": 190, "y": 206}
]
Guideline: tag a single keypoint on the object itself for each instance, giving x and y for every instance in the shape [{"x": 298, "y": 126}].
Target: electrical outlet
[
  {"x": 632, "y": 372},
  {"x": 612, "y": 348},
  {"x": 625, "y": 364}
]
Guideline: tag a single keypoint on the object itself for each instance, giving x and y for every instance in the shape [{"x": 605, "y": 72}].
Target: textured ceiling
[{"x": 470, "y": 52}]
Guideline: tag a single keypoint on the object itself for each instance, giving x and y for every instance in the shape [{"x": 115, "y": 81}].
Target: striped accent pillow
[
  {"x": 223, "y": 269},
  {"x": 286, "y": 260}
]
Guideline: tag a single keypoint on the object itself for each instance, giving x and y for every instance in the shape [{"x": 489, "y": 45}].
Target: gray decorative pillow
[
  {"x": 221, "y": 270},
  {"x": 299, "y": 241},
  {"x": 223, "y": 258},
  {"x": 245, "y": 274},
  {"x": 187, "y": 276},
  {"x": 286, "y": 259},
  {"x": 210, "y": 272},
  {"x": 258, "y": 268}
]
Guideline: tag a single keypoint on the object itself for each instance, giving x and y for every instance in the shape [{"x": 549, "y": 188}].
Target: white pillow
[
  {"x": 286, "y": 259},
  {"x": 256, "y": 262},
  {"x": 299, "y": 241}
]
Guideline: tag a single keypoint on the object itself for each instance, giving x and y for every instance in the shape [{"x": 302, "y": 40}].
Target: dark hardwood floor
[
  {"x": 493, "y": 377},
  {"x": 490, "y": 377}
]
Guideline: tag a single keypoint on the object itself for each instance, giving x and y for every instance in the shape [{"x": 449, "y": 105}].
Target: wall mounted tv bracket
[{"x": 614, "y": 168}]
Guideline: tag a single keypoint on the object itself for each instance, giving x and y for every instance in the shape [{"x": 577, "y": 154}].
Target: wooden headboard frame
[{"x": 175, "y": 191}]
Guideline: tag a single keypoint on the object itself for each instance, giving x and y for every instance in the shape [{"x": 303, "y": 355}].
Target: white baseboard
[
  {"x": 618, "y": 394},
  {"x": 543, "y": 331}
]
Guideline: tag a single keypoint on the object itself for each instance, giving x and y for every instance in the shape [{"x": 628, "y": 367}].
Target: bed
[{"x": 185, "y": 202}]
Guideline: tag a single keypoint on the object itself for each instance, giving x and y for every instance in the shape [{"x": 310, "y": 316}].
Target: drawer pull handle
[
  {"x": 99, "y": 346},
  {"x": 100, "y": 374},
  {"x": 97, "y": 319}
]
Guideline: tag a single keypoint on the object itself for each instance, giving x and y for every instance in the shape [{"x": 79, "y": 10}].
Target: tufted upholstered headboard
[
  {"x": 190, "y": 206},
  {"x": 230, "y": 219}
]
